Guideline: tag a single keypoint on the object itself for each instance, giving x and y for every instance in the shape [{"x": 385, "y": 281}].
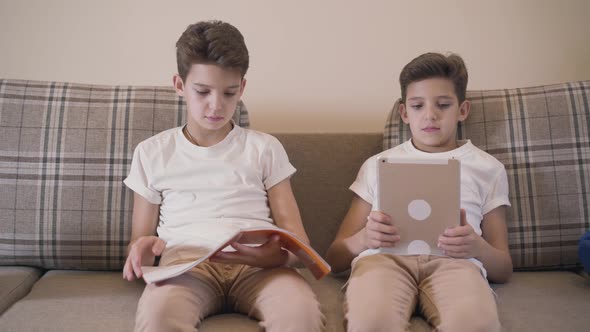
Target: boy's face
[
  {"x": 211, "y": 93},
  {"x": 433, "y": 111}
]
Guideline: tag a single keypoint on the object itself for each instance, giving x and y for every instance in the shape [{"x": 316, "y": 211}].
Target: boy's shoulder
[
  {"x": 396, "y": 151},
  {"x": 160, "y": 140},
  {"x": 467, "y": 152},
  {"x": 256, "y": 137},
  {"x": 399, "y": 150},
  {"x": 484, "y": 157}
]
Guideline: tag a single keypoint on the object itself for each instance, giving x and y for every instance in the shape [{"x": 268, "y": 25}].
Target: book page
[{"x": 255, "y": 235}]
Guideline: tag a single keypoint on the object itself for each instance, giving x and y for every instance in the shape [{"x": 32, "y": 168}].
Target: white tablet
[{"x": 422, "y": 196}]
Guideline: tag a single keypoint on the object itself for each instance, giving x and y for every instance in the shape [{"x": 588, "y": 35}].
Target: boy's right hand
[
  {"x": 379, "y": 232},
  {"x": 142, "y": 252}
]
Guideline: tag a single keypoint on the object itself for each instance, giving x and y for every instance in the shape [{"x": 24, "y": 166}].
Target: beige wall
[{"x": 316, "y": 66}]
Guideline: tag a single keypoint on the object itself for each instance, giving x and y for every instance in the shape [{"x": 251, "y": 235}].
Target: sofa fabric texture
[{"x": 64, "y": 151}]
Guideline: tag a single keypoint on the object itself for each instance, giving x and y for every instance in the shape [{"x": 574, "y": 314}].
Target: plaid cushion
[
  {"x": 64, "y": 151},
  {"x": 541, "y": 135}
]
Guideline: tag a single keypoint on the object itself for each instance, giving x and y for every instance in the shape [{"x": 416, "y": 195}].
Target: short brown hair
[
  {"x": 211, "y": 42},
  {"x": 435, "y": 65}
]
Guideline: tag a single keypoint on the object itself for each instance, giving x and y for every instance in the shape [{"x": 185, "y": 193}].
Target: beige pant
[
  {"x": 451, "y": 294},
  {"x": 279, "y": 298}
]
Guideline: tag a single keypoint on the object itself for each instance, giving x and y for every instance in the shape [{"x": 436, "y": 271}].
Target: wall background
[{"x": 316, "y": 66}]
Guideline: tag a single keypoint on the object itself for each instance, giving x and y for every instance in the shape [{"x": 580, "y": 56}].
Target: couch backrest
[
  {"x": 327, "y": 164},
  {"x": 64, "y": 150},
  {"x": 542, "y": 136}
]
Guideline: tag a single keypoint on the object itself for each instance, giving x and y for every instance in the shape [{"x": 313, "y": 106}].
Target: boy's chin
[{"x": 215, "y": 125}]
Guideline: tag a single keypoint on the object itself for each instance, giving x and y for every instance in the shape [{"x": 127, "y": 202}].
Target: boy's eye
[
  {"x": 202, "y": 92},
  {"x": 443, "y": 106},
  {"x": 230, "y": 94},
  {"x": 416, "y": 106}
]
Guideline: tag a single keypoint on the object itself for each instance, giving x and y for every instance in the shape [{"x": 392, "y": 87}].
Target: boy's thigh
[
  {"x": 196, "y": 294},
  {"x": 454, "y": 291},
  {"x": 382, "y": 289},
  {"x": 264, "y": 293}
]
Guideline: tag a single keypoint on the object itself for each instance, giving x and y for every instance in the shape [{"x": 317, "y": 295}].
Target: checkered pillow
[
  {"x": 542, "y": 136},
  {"x": 64, "y": 151}
]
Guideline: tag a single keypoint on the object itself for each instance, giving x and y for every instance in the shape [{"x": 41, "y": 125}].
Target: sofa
[{"x": 65, "y": 215}]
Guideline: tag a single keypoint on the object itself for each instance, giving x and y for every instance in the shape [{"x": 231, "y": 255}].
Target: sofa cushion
[
  {"x": 327, "y": 165},
  {"x": 544, "y": 301},
  {"x": 542, "y": 136},
  {"x": 93, "y": 301},
  {"x": 76, "y": 301},
  {"x": 15, "y": 283},
  {"x": 103, "y": 301},
  {"x": 64, "y": 150}
]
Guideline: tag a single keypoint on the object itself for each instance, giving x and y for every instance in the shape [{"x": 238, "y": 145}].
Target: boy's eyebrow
[
  {"x": 422, "y": 98},
  {"x": 207, "y": 86}
]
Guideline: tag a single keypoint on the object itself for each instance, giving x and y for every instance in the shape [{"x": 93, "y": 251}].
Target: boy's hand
[
  {"x": 267, "y": 255},
  {"x": 142, "y": 252},
  {"x": 460, "y": 241},
  {"x": 379, "y": 231}
]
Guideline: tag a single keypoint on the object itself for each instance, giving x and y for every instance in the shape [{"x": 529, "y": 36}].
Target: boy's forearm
[
  {"x": 342, "y": 252},
  {"x": 497, "y": 263}
]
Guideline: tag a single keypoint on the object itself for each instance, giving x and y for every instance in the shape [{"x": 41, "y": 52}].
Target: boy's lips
[
  {"x": 430, "y": 129},
  {"x": 214, "y": 118}
]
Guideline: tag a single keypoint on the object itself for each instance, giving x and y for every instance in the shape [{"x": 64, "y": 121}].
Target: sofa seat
[
  {"x": 545, "y": 301},
  {"x": 83, "y": 301},
  {"x": 15, "y": 283},
  {"x": 103, "y": 301}
]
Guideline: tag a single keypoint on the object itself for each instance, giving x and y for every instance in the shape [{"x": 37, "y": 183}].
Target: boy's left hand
[
  {"x": 267, "y": 255},
  {"x": 460, "y": 241}
]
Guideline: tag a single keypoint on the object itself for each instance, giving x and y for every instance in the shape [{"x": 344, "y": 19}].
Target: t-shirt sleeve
[
  {"x": 366, "y": 181},
  {"x": 498, "y": 193},
  {"x": 276, "y": 165},
  {"x": 139, "y": 176}
]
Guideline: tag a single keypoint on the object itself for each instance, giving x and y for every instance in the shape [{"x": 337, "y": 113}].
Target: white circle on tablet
[
  {"x": 418, "y": 247},
  {"x": 419, "y": 209}
]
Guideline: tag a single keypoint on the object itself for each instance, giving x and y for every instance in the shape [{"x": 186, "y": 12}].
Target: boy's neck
[
  {"x": 433, "y": 149},
  {"x": 206, "y": 138}
]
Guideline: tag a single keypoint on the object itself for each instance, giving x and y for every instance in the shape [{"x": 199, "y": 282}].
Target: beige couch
[{"x": 65, "y": 215}]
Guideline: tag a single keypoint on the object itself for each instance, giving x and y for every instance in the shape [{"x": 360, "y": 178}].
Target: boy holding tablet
[{"x": 449, "y": 290}]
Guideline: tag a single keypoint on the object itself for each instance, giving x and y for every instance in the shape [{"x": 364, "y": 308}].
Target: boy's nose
[
  {"x": 430, "y": 113},
  {"x": 216, "y": 102}
]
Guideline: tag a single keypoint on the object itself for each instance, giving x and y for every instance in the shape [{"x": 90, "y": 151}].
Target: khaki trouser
[
  {"x": 451, "y": 294},
  {"x": 279, "y": 298}
]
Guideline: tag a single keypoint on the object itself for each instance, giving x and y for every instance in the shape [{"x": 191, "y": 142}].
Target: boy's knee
[
  {"x": 300, "y": 312},
  {"x": 375, "y": 319},
  {"x": 157, "y": 310},
  {"x": 478, "y": 324}
]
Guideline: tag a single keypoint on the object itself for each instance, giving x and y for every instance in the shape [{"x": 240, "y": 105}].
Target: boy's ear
[
  {"x": 242, "y": 86},
  {"x": 403, "y": 113},
  {"x": 464, "y": 110},
  {"x": 178, "y": 85}
]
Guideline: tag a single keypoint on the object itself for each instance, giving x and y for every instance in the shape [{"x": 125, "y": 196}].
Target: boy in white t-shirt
[
  {"x": 201, "y": 179},
  {"x": 451, "y": 292}
]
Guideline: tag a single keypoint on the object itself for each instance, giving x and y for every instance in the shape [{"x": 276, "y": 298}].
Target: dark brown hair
[
  {"x": 435, "y": 65},
  {"x": 211, "y": 42}
]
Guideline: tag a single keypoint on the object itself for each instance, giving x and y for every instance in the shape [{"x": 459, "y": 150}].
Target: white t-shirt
[
  {"x": 484, "y": 184},
  {"x": 202, "y": 190}
]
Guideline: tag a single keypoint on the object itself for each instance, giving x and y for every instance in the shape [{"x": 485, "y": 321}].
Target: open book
[{"x": 253, "y": 235}]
